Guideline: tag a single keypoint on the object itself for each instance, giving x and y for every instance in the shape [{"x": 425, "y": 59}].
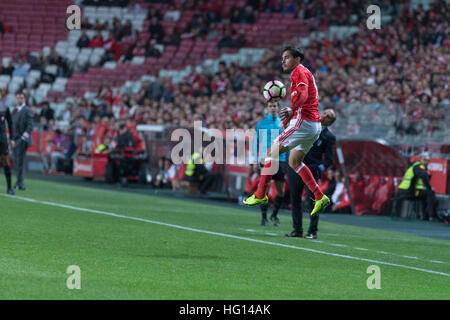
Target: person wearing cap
[{"x": 416, "y": 184}]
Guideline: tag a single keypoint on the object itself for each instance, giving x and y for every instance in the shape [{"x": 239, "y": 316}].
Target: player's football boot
[
  {"x": 311, "y": 236},
  {"x": 320, "y": 205},
  {"x": 253, "y": 201}
]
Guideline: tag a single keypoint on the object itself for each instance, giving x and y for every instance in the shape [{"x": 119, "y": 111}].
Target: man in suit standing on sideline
[
  {"x": 22, "y": 120},
  {"x": 324, "y": 146}
]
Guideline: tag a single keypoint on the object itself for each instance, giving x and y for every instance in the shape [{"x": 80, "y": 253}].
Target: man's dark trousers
[
  {"x": 19, "y": 153},
  {"x": 296, "y": 186}
]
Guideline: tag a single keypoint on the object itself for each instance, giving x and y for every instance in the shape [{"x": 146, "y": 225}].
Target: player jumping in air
[{"x": 301, "y": 128}]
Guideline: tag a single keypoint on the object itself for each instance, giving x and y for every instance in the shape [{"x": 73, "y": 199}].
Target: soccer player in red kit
[{"x": 301, "y": 128}]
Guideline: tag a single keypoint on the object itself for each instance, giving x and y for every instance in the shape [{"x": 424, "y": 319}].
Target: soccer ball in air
[{"x": 274, "y": 90}]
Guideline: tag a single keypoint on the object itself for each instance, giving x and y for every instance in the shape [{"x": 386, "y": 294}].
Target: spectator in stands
[
  {"x": 21, "y": 70},
  {"x": 85, "y": 24},
  {"x": 247, "y": 16},
  {"x": 240, "y": 41},
  {"x": 60, "y": 148},
  {"x": 126, "y": 31},
  {"x": 211, "y": 8},
  {"x": 337, "y": 198},
  {"x": 151, "y": 50},
  {"x": 83, "y": 41},
  {"x": 47, "y": 112},
  {"x": 159, "y": 181},
  {"x": 212, "y": 33},
  {"x": 2, "y": 30},
  {"x": 226, "y": 41},
  {"x": 9, "y": 69},
  {"x": 94, "y": 112},
  {"x": 134, "y": 8},
  {"x": 96, "y": 41},
  {"x": 173, "y": 37},
  {"x": 172, "y": 14},
  {"x": 67, "y": 114},
  {"x": 235, "y": 16},
  {"x": 99, "y": 26},
  {"x": 113, "y": 47},
  {"x": 153, "y": 12},
  {"x": 171, "y": 174},
  {"x": 156, "y": 29},
  {"x": 108, "y": 112},
  {"x": 116, "y": 29},
  {"x": 199, "y": 27}
]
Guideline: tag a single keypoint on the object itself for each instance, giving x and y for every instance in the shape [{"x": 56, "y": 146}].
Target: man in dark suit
[
  {"x": 322, "y": 148},
  {"x": 5, "y": 120},
  {"x": 22, "y": 120}
]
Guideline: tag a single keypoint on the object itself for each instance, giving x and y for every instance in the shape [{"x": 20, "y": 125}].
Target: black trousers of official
[
  {"x": 428, "y": 200},
  {"x": 19, "y": 153},
  {"x": 296, "y": 186}
]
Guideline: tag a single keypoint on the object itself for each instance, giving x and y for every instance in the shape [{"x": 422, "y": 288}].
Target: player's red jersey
[{"x": 309, "y": 110}]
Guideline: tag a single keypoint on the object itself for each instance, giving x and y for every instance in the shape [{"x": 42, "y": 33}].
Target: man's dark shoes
[
  {"x": 275, "y": 220},
  {"x": 10, "y": 191},
  {"x": 294, "y": 234},
  {"x": 20, "y": 188},
  {"x": 311, "y": 236},
  {"x": 264, "y": 222}
]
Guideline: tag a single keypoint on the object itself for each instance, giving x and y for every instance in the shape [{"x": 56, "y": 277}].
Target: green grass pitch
[{"x": 161, "y": 248}]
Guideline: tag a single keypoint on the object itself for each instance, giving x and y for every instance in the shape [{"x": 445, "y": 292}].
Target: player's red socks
[
  {"x": 265, "y": 178},
  {"x": 307, "y": 177}
]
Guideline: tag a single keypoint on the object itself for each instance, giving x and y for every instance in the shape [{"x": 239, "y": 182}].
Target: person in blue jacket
[{"x": 267, "y": 129}]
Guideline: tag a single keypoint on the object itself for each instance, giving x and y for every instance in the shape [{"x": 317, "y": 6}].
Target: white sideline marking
[
  {"x": 225, "y": 235},
  {"x": 409, "y": 257},
  {"x": 337, "y": 245}
]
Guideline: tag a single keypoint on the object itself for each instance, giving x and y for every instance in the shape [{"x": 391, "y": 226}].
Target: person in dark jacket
[
  {"x": 84, "y": 40},
  {"x": 318, "y": 159},
  {"x": 5, "y": 119},
  {"x": 22, "y": 124}
]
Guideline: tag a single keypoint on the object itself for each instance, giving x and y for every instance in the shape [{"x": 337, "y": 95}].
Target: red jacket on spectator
[
  {"x": 114, "y": 47},
  {"x": 96, "y": 43}
]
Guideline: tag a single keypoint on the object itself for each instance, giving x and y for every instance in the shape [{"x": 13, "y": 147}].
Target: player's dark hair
[{"x": 296, "y": 52}]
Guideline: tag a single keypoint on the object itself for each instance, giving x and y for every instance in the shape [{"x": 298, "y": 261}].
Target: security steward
[
  {"x": 5, "y": 119},
  {"x": 416, "y": 184},
  {"x": 196, "y": 173},
  {"x": 318, "y": 159},
  {"x": 125, "y": 145}
]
